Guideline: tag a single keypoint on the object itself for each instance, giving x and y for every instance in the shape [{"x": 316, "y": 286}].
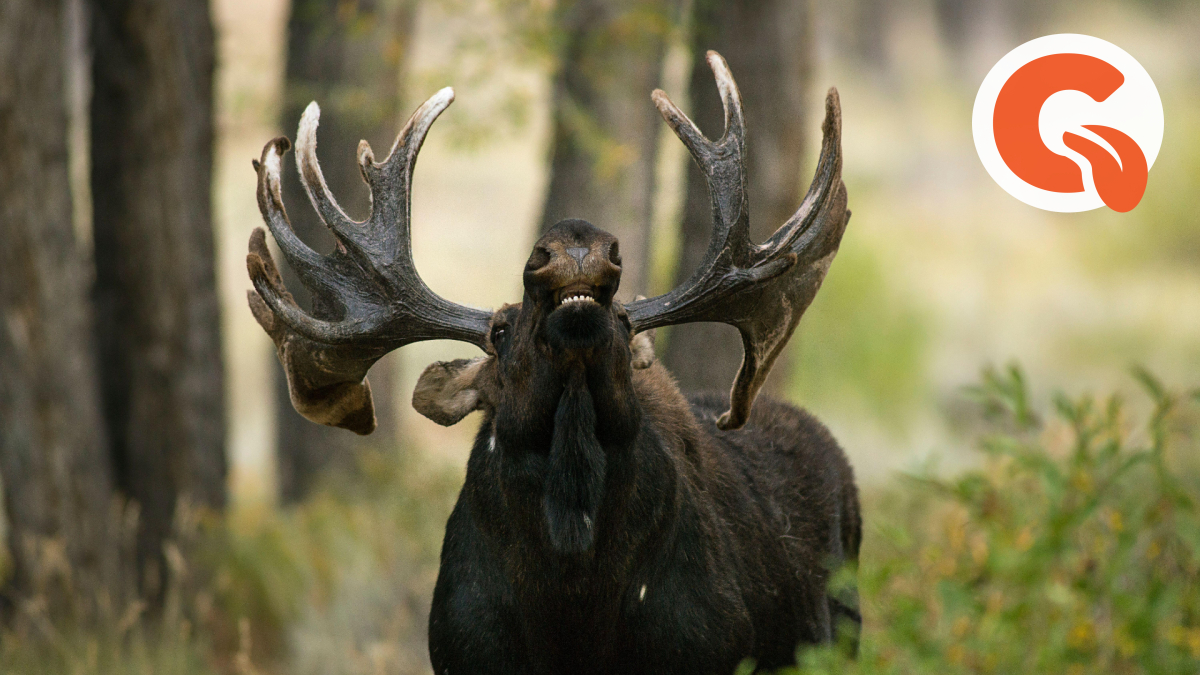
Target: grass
[
  {"x": 1073, "y": 548},
  {"x": 339, "y": 584}
]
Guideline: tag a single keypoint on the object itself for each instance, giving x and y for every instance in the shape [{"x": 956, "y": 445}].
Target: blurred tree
[
  {"x": 954, "y": 20},
  {"x": 768, "y": 46},
  {"x": 872, "y": 20},
  {"x": 978, "y": 32},
  {"x": 605, "y": 142},
  {"x": 158, "y": 318},
  {"x": 57, "y": 484},
  {"x": 350, "y": 57}
]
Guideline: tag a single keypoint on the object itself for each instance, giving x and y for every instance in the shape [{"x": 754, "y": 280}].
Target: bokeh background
[
  {"x": 941, "y": 272},
  {"x": 323, "y": 557}
]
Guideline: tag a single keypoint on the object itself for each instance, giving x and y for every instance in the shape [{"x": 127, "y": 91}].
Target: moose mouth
[
  {"x": 576, "y": 296},
  {"x": 579, "y": 318}
]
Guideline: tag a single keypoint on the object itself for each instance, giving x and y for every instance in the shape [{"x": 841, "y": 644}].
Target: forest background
[{"x": 167, "y": 511}]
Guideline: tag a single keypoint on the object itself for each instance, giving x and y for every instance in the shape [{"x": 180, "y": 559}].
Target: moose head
[{"x": 369, "y": 300}]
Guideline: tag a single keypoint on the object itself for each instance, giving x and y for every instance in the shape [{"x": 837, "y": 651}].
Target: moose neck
[
  {"x": 565, "y": 485},
  {"x": 575, "y": 475},
  {"x": 595, "y": 423}
]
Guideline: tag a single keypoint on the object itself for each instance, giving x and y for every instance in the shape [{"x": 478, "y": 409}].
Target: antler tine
[
  {"x": 762, "y": 290},
  {"x": 326, "y": 205},
  {"x": 312, "y": 268},
  {"x": 303, "y": 259},
  {"x": 391, "y": 182},
  {"x": 386, "y": 231},
  {"x": 829, "y": 167},
  {"x": 367, "y": 296},
  {"x": 722, "y": 162},
  {"x": 409, "y": 141},
  {"x": 309, "y": 265},
  {"x": 353, "y": 308},
  {"x": 332, "y": 390}
]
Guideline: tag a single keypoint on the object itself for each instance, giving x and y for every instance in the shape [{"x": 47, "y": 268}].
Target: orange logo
[{"x": 1069, "y": 123}]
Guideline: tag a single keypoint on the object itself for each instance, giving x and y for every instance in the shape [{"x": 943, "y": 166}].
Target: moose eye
[{"x": 499, "y": 333}]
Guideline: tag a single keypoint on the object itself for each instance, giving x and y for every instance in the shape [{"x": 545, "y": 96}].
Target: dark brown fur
[{"x": 607, "y": 526}]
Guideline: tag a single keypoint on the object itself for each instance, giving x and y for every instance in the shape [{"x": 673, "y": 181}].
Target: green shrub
[{"x": 1075, "y": 548}]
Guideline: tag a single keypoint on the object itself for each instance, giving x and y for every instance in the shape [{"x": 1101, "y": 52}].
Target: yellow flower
[
  {"x": 979, "y": 549},
  {"x": 1081, "y": 635},
  {"x": 1113, "y": 518},
  {"x": 1024, "y": 539},
  {"x": 1126, "y": 645},
  {"x": 1193, "y": 641},
  {"x": 1153, "y": 550},
  {"x": 956, "y": 654}
]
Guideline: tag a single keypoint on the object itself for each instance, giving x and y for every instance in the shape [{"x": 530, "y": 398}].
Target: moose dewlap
[{"x": 607, "y": 523}]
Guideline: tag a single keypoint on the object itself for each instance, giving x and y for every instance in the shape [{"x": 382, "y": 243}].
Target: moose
[{"x": 607, "y": 524}]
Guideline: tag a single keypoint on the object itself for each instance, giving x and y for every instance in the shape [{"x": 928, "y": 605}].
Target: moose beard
[
  {"x": 575, "y": 479},
  {"x": 584, "y": 327}
]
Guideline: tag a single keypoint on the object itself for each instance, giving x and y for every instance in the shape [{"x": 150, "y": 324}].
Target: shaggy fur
[{"x": 606, "y": 525}]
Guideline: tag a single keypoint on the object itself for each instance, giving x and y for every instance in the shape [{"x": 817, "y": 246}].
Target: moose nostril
[
  {"x": 578, "y": 254},
  {"x": 614, "y": 254},
  {"x": 539, "y": 259}
]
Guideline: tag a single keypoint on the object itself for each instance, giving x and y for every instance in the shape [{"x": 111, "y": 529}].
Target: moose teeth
[{"x": 576, "y": 299}]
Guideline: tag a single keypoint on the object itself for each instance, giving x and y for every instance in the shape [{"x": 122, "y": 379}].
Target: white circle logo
[{"x": 1069, "y": 123}]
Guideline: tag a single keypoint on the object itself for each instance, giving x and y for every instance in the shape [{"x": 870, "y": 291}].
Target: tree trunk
[
  {"x": 769, "y": 49},
  {"x": 872, "y": 20},
  {"x": 605, "y": 127},
  {"x": 349, "y": 58},
  {"x": 57, "y": 484},
  {"x": 158, "y": 319},
  {"x": 977, "y": 32}
]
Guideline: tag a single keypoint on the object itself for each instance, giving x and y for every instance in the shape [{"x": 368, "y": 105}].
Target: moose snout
[{"x": 574, "y": 262}]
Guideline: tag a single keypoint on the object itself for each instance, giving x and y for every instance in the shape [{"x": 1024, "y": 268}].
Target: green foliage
[
  {"x": 862, "y": 343},
  {"x": 339, "y": 584},
  {"x": 491, "y": 37},
  {"x": 1074, "y": 549}
]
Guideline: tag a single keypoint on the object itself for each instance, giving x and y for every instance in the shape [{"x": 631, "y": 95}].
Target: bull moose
[{"x": 607, "y": 524}]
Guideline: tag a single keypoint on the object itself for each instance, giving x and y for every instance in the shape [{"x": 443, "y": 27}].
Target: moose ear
[
  {"x": 446, "y": 392},
  {"x": 641, "y": 345},
  {"x": 641, "y": 349}
]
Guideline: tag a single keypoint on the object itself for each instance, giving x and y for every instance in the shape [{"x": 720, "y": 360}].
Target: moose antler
[
  {"x": 367, "y": 296},
  {"x": 764, "y": 289}
]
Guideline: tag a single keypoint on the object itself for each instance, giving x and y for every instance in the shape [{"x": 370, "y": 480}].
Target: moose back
[{"x": 607, "y": 523}]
